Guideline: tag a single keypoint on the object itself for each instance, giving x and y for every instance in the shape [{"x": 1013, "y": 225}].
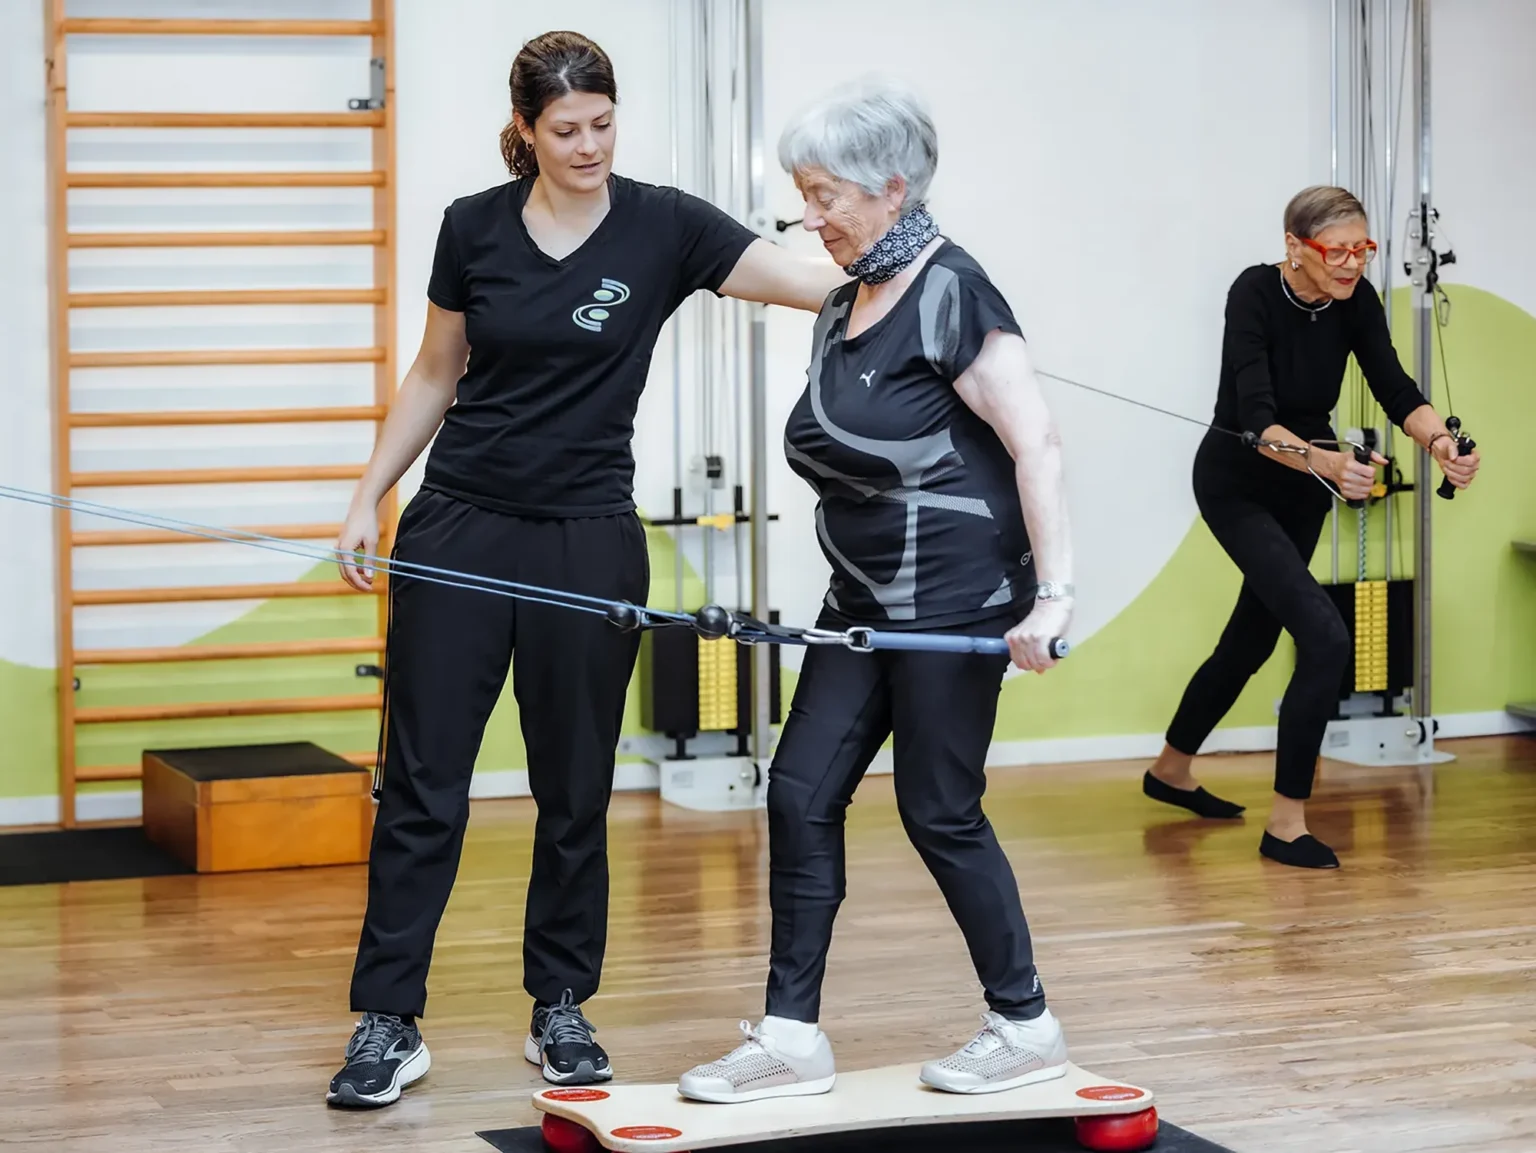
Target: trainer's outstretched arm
[
  {"x": 424, "y": 396},
  {"x": 1000, "y": 386},
  {"x": 768, "y": 274}
]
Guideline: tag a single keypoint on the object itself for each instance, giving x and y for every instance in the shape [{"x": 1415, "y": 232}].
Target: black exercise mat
[
  {"x": 1052, "y": 1136},
  {"x": 53, "y": 856}
]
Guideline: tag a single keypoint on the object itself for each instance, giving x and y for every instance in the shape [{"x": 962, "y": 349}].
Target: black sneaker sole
[
  {"x": 584, "y": 1073},
  {"x": 409, "y": 1071}
]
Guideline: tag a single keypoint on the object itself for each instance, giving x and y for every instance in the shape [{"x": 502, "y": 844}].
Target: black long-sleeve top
[{"x": 1283, "y": 365}]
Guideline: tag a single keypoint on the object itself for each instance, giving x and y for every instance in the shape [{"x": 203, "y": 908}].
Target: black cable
[
  {"x": 1138, "y": 403},
  {"x": 1440, "y": 325}
]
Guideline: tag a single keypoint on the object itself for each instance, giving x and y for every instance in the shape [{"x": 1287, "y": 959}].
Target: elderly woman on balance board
[{"x": 937, "y": 470}]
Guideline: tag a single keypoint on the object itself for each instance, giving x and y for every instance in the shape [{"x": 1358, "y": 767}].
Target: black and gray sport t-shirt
[
  {"x": 918, "y": 510},
  {"x": 560, "y": 349}
]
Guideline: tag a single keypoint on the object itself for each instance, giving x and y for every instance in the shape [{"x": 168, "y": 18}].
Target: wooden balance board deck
[{"x": 656, "y": 1119}]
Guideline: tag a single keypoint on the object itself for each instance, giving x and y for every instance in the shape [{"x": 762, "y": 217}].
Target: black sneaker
[
  {"x": 560, "y": 1040},
  {"x": 383, "y": 1057}
]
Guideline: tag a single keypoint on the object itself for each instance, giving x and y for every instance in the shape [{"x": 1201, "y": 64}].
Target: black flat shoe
[
  {"x": 1197, "y": 801},
  {"x": 1305, "y": 852}
]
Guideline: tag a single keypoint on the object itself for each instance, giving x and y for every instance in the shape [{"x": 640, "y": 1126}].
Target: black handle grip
[
  {"x": 1464, "y": 445},
  {"x": 1059, "y": 647},
  {"x": 1362, "y": 456}
]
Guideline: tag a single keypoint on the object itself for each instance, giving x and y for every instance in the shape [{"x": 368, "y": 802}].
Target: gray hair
[
  {"x": 866, "y": 133},
  {"x": 1321, "y": 206}
]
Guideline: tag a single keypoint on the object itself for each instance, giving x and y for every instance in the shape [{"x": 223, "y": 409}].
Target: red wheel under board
[
  {"x": 562, "y": 1136},
  {"x": 1118, "y": 1133}
]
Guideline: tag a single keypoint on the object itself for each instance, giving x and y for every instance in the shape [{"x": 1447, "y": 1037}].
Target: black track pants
[
  {"x": 1268, "y": 522},
  {"x": 940, "y": 708},
  {"x": 449, "y": 652}
]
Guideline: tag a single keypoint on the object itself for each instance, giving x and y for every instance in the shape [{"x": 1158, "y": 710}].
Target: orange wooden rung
[
  {"x": 226, "y": 356},
  {"x": 193, "y": 594},
  {"x": 135, "y": 772},
  {"x": 102, "y": 538},
  {"x": 108, "y": 772},
  {"x": 289, "y": 238},
  {"x": 371, "y": 119},
  {"x": 119, "y": 714},
  {"x": 276, "y": 473},
  {"x": 219, "y": 416},
  {"x": 98, "y": 26},
  {"x": 227, "y": 296},
  {"x": 259, "y": 650},
  {"x": 225, "y": 179}
]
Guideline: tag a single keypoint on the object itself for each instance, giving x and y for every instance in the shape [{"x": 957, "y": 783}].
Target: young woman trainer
[{"x": 546, "y": 298}]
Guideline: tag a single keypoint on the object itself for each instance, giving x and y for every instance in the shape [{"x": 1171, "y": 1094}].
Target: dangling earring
[{"x": 1294, "y": 265}]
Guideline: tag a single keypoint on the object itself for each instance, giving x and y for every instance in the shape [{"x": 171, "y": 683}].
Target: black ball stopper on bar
[
  {"x": 625, "y": 616},
  {"x": 712, "y": 621},
  {"x": 1464, "y": 445}
]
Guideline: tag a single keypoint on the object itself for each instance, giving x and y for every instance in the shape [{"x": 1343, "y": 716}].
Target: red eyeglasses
[{"x": 1336, "y": 256}]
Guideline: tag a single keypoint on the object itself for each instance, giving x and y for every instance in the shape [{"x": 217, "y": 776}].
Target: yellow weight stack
[
  {"x": 1370, "y": 636},
  {"x": 717, "y": 684}
]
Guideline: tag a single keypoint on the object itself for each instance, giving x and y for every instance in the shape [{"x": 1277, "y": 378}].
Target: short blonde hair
[{"x": 1321, "y": 206}]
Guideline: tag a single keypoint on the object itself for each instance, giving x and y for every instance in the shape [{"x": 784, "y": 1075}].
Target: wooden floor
[{"x": 1388, "y": 1006}]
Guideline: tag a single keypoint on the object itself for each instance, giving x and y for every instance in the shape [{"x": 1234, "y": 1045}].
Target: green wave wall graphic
[{"x": 1125, "y": 679}]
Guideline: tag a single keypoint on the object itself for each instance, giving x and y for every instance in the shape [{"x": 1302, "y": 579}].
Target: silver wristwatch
[{"x": 1053, "y": 591}]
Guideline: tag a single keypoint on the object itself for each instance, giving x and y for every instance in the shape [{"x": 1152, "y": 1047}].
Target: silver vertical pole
[
  {"x": 1386, "y": 205},
  {"x": 738, "y": 204},
  {"x": 761, "y": 713},
  {"x": 1333, "y": 92},
  {"x": 1424, "y": 370},
  {"x": 1333, "y": 115},
  {"x": 677, "y": 331}
]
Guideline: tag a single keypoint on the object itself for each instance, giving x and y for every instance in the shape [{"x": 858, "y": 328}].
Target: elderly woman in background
[
  {"x": 938, "y": 474},
  {"x": 1291, "y": 328}
]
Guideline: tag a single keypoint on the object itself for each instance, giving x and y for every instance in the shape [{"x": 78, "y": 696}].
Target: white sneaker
[
  {"x": 1004, "y": 1055},
  {"x": 758, "y": 1068}
]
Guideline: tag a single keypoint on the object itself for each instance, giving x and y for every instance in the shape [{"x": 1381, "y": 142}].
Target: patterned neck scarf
[{"x": 897, "y": 249}]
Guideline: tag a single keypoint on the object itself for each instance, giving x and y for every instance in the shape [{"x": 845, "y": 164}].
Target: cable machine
[
  {"x": 702, "y": 693},
  {"x": 1385, "y": 712}
]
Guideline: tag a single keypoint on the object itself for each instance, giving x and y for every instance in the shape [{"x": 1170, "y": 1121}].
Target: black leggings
[
  {"x": 940, "y": 708},
  {"x": 449, "y": 653},
  {"x": 1268, "y": 522}
]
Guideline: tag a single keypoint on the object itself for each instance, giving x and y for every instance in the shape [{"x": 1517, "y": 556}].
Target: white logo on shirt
[
  {"x": 868, "y": 377},
  {"x": 591, "y": 316}
]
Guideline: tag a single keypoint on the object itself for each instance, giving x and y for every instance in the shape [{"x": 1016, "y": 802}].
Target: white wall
[
  {"x": 26, "y": 578},
  {"x": 1484, "y": 143}
]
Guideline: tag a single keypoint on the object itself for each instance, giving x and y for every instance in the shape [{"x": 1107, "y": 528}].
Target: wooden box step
[{"x": 247, "y": 807}]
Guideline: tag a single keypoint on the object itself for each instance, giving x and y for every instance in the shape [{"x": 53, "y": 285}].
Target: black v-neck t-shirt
[
  {"x": 543, "y": 422},
  {"x": 918, "y": 509}
]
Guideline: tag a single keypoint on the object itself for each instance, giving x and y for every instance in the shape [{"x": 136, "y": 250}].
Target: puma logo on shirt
[{"x": 867, "y": 377}]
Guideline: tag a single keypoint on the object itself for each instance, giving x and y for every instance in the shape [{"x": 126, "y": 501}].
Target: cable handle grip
[
  {"x": 1362, "y": 456},
  {"x": 1464, "y": 445}
]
